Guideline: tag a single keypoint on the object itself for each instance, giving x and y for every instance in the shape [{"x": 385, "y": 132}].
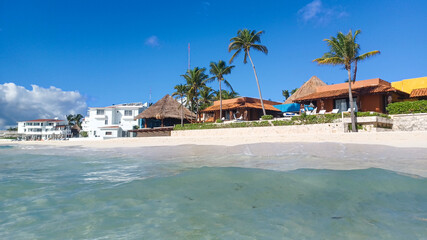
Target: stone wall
[
  {"x": 410, "y": 122},
  {"x": 263, "y": 131}
]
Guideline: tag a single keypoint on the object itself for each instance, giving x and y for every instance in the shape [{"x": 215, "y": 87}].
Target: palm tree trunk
[
  {"x": 257, "y": 82},
  {"x": 220, "y": 100},
  {"x": 350, "y": 97},
  {"x": 182, "y": 111}
]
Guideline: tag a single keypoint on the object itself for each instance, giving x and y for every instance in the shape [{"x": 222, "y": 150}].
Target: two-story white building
[
  {"x": 112, "y": 121},
  {"x": 44, "y": 129}
]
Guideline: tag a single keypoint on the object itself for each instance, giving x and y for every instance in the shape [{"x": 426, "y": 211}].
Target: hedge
[
  {"x": 407, "y": 107},
  {"x": 195, "y": 126}
]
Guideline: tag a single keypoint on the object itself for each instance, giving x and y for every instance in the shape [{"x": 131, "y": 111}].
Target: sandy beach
[{"x": 234, "y": 137}]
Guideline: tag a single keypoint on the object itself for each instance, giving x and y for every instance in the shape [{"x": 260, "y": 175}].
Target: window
[
  {"x": 50, "y": 124},
  {"x": 100, "y": 112},
  {"x": 106, "y": 121},
  {"x": 108, "y": 133},
  {"x": 36, "y": 124},
  {"x": 41, "y": 124},
  {"x": 128, "y": 112},
  {"x": 344, "y": 104}
]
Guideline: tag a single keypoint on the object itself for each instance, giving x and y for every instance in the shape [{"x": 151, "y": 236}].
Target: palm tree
[
  {"x": 70, "y": 119},
  {"x": 78, "y": 119},
  {"x": 226, "y": 94},
  {"x": 285, "y": 93},
  {"x": 219, "y": 70},
  {"x": 343, "y": 50},
  {"x": 244, "y": 41},
  {"x": 180, "y": 92},
  {"x": 196, "y": 79},
  {"x": 206, "y": 97}
]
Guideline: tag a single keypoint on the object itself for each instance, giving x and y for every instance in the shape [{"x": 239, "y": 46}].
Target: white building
[
  {"x": 112, "y": 121},
  {"x": 44, "y": 129}
]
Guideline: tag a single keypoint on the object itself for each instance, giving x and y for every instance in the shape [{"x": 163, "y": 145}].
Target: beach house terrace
[
  {"x": 372, "y": 95},
  {"x": 244, "y": 108}
]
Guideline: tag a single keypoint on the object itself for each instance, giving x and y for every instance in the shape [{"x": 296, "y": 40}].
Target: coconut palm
[
  {"x": 245, "y": 41},
  {"x": 343, "y": 50},
  {"x": 196, "y": 79},
  {"x": 219, "y": 70},
  {"x": 206, "y": 97},
  {"x": 226, "y": 94},
  {"x": 78, "y": 119},
  {"x": 285, "y": 94},
  {"x": 180, "y": 92}
]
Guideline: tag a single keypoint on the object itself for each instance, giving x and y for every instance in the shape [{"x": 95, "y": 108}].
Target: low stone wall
[
  {"x": 410, "y": 122},
  {"x": 263, "y": 131}
]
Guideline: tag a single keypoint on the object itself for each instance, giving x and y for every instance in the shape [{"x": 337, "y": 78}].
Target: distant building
[
  {"x": 112, "y": 121},
  {"x": 44, "y": 129}
]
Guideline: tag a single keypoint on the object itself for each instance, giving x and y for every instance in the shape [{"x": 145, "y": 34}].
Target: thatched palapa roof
[
  {"x": 167, "y": 107},
  {"x": 307, "y": 88}
]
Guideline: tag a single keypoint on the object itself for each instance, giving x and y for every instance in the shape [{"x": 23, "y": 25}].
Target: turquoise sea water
[{"x": 72, "y": 193}]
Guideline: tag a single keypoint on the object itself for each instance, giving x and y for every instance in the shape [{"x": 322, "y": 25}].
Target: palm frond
[{"x": 367, "y": 55}]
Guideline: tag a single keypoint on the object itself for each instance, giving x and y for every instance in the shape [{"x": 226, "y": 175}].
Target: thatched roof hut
[
  {"x": 167, "y": 107},
  {"x": 307, "y": 88}
]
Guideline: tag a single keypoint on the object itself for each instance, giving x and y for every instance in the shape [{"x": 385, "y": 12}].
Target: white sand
[{"x": 234, "y": 137}]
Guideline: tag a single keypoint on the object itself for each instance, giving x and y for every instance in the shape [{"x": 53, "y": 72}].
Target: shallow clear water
[{"x": 71, "y": 193}]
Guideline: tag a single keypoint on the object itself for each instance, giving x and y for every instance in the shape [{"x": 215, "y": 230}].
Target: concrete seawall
[{"x": 264, "y": 131}]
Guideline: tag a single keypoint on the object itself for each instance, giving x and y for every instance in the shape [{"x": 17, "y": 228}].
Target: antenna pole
[{"x": 188, "y": 56}]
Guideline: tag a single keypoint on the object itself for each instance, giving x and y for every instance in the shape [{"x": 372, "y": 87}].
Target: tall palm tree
[
  {"x": 343, "y": 50},
  {"x": 206, "y": 97},
  {"x": 244, "y": 41},
  {"x": 196, "y": 79},
  {"x": 219, "y": 70},
  {"x": 180, "y": 92}
]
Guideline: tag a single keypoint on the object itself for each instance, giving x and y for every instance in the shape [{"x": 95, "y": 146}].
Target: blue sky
[{"x": 116, "y": 51}]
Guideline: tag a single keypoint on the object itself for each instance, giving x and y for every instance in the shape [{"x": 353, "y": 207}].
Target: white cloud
[
  {"x": 152, "y": 41},
  {"x": 19, "y": 104},
  {"x": 316, "y": 12}
]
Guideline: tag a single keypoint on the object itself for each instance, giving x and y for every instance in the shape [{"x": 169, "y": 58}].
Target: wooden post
[
  {"x": 162, "y": 123},
  {"x": 145, "y": 122}
]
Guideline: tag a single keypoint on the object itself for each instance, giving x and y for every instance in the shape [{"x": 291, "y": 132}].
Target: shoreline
[{"x": 235, "y": 137}]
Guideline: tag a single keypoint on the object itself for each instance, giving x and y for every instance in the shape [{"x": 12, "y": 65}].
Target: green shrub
[
  {"x": 218, "y": 121},
  {"x": 267, "y": 117},
  {"x": 407, "y": 107},
  {"x": 196, "y": 126},
  {"x": 83, "y": 134},
  {"x": 283, "y": 122}
]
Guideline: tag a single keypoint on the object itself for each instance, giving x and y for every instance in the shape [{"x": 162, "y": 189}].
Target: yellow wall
[{"x": 407, "y": 85}]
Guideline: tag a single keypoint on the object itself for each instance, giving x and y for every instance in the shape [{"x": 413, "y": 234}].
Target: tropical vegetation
[
  {"x": 344, "y": 50},
  {"x": 245, "y": 41},
  {"x": 180, "y": 92},
  {"x": 407, "y": 107},
  {"x": 75, "y": 119},
  {"x": 220, "y": 69}
]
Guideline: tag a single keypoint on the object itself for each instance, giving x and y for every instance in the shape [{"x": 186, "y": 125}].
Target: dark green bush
[
  {"x": 195, "y": 126},
  {"x": 218, "y": 121},
  {"x": 267, "y": 117},
  {"x": 407, "y": 107}
]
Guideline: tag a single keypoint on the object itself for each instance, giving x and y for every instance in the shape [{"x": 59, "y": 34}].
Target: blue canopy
[{"x": 291, "y": 107}]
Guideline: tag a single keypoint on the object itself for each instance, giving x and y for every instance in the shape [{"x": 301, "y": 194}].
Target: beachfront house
[
  {"x": 112, "y": 121},
  {"x": 242, "y": 108},
  {"x": 44, "y": 129},
  {"x": 416, "y": 87},
  {"x": 372, "y": 95},
  {"x": 165, "y": 112}
]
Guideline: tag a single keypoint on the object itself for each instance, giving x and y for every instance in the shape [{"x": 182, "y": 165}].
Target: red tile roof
[
  {"x": 420, "y": 92},
  {"x": 355, "y": 91}
]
